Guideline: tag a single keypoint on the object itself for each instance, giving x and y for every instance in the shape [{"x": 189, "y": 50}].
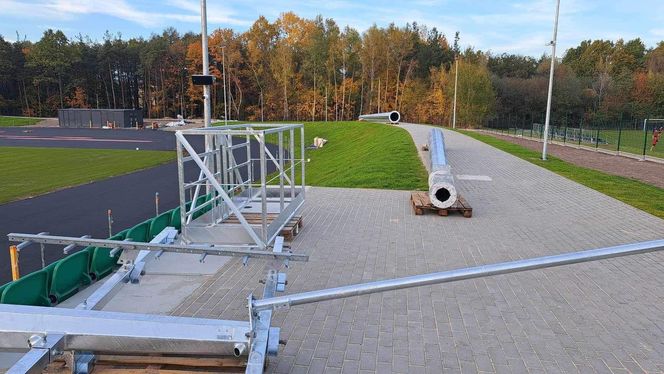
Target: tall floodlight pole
[
  {"x": 207, "y": 112},
  {"x": 456, "y": 80},
  {"x": 206, "y": 65},
  {"x": 223, "y": 70},
  {"x": 548, "y": 99}
]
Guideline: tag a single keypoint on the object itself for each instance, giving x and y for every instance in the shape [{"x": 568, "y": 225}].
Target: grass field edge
[{"x": 641, "y": 198}]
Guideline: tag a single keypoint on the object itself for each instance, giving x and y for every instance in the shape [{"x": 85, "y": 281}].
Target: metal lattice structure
[{"x": 238, "y": 188}]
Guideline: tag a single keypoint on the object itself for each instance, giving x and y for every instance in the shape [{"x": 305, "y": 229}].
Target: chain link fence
[{"x": 638, "y": 137}]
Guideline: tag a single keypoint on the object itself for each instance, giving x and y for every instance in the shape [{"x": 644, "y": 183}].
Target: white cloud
[
  {"x": 658, "y": 32},
  {"x": 186, "y": 11}
]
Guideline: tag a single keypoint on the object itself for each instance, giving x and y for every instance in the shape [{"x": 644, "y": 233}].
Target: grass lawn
[
  {"x": 18, "y": 121},
  {"x": 362, "y": 155},
  {"x": 30, "y": 171},
  {"x": 635, "y": 193}
]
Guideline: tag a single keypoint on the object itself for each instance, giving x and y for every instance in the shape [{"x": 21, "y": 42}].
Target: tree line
[
  {"x": 598, "y": 83},
  {"x": 311, "y": 69}
]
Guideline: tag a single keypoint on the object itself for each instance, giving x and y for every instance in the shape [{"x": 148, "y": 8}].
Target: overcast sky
[{"x": 522, "y": 27}]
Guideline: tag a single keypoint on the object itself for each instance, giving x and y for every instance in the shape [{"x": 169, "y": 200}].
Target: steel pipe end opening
[
  {"x": 239, "y": 349},
  {"x": 395, "y": 117},
  {"x": 442, "y": 195}
]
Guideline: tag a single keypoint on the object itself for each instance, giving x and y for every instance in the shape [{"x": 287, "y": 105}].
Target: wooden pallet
[
  {"x": 421, "y": 203},
  {"x": 290, "y": 230}
]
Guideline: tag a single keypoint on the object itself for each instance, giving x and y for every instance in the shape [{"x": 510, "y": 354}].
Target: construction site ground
[{"x": 603, "y": 317}]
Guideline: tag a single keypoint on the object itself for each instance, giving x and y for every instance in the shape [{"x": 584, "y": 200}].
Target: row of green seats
[{"x": 63, "y": 278}]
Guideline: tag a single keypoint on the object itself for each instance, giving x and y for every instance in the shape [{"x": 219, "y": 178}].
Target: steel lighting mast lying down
[
  {"x": 49, "y": 332},
  {"x": 387, "y": 117},
  {"x": 442, "y": 192}
]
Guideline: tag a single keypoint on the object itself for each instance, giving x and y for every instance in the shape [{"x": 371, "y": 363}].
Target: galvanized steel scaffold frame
[
  {"x": 233, "y": 192},
  {"x": 47, "y": 332}
]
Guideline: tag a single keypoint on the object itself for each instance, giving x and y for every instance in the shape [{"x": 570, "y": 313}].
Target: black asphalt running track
[
  {"x": 86, "y": 138},
  {"x": 83, "y": 209}
]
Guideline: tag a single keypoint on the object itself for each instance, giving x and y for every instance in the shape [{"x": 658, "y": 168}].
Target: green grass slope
[
  {"x": 635, "y": 193},
  {"x": 365, "y": 155}
]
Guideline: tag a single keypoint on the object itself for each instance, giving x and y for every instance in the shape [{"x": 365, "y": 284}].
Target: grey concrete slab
[
  {"x": 585, "y": 317},
  {"x": 184, "y": 264},
  {"x": 155, "y": 294}
]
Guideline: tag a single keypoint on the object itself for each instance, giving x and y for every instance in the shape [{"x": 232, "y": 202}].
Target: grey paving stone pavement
[{"x": 603, "y": 317}]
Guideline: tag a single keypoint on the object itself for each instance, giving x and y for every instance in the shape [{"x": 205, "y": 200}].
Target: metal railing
[{"x": 634, "y": 137}]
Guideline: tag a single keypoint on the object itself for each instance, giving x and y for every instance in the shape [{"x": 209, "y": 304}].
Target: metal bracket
[
  {"x": 127, "y": 257},
  {"x": 260, "y": 327},
  {"x": 43, "y": 349},
  {"x": 281, "y": 282},
  {"x": 273, "y": 341},
  {"x": 136, "y": 272},
  {"x": 278, "y": 247},
  {"x": 68, "y": 248},
  {"x": 84, "y": 362}
]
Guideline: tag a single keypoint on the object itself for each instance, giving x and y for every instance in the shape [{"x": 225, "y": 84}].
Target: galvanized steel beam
[
  {"x": 236, "y": 251},
  {"x": 131, "y": 333}
]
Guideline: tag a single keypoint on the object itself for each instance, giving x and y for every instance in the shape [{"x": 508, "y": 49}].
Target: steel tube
[
  {"x": 239, "y": 250},
  {"x": 459, "y": 274},
  {"x": 442, "y": 192},
  {"x": 386, "y": 117}
]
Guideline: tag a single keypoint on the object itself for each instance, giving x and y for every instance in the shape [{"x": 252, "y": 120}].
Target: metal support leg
[
  {"x": 291, "y": 139},
  {"x": 261, "y": 140},
  {"x": 281, "y": 171},
  {"x": 303, "y": 159}
]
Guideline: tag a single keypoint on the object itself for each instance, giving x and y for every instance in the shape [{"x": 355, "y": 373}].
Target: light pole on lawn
[
  {"x": 547, "y": 121},
  {"x": 456, "y": 80},
  {"x": 206, "y": 65},
  {"x": 223, "y": 68},
  {"x": 207, "y": 112}
]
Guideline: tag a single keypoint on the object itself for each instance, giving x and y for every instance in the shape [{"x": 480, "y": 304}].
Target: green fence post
[
  {"x": 619, "y": 137},
  {"x": 531, "y": 128},
  {"x": 580, "y": 132},
  {"x": 597, "y": 139},
  {"x": 565, "y": 134},
  {"x": 645, "y": 142}
]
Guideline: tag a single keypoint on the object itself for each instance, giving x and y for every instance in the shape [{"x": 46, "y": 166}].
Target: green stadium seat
[
  {"x": 29, "y": 290},
  {"x": 140, "y": 232},
  {"x": 176, "y": 220},
  {"x": 2, "y": 289},
  {"x": 101, "y": 263},
  {"x": 159, "y": 223},
  {"x": 69, "y": 275},
  {"x": 49, "y": 271},
  {"x": 200, "y": 201}
]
